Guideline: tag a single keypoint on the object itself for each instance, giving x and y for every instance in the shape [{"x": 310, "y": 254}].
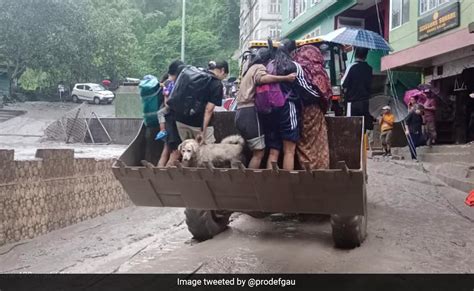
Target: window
[
  {"x": 87, "y": 88},
  {"x": 428, "y": 5},
  {"x": 314, "y": 33},
  {"x": 275, "y": 6},
  {"x": 297, "y": 7},
  {"x": 256, "y": 13},
  {"x": 275, "y": 32},
  {"x": 98, "y": 87},
  {"x": 399, "y": 12},
  {"x": 350, "y": 22},
  {"x": 256, "y": 35}
]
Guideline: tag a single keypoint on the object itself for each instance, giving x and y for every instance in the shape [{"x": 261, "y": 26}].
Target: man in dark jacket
[
  {"x": 357, "y": 83},
  {"x": 414, "y": 122}
]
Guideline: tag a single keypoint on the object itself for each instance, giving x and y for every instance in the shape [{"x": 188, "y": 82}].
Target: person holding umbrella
[
  {"x": 358, "y": 82},
  {"x": 358, "y": 78}
]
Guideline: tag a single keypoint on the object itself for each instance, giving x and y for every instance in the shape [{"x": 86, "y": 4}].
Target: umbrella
[
  {"x": 358, "y": 38},
  {"x": 398, "y": 108},
  {"x": 420, "y": 96},
  {"x": 428, "y": 88}
]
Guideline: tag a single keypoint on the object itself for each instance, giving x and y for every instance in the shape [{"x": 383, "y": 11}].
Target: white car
[{"x": 91, "y": 92}]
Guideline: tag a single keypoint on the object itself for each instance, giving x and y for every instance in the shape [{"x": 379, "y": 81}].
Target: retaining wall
[
  {"x": 121, "y": 130},
  {"x": 53, "y": 191}
]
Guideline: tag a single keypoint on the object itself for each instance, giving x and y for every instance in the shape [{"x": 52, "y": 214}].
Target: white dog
[{"x": 221, "y": 155}]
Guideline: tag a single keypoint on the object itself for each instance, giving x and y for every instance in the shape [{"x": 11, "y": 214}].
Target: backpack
[
  {"x": 190, "y": 87},
  {"x": 151, "y": 96},
  {"x": 269, "y": 96}
]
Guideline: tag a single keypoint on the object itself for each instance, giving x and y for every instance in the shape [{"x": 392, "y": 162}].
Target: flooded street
[{"x": 415, "y": 224}]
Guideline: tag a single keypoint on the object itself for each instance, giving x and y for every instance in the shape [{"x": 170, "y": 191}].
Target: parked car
[{"x": 92, "y": 92}]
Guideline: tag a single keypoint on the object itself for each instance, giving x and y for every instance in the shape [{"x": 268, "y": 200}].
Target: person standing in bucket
[
  {"x": 387, "y": 121},
  {"x": 151, "y": 97},
  {"x": 168, "y": 130},
  {"x": 192, "y": 126},
  {"x": 247, "y": 120}
]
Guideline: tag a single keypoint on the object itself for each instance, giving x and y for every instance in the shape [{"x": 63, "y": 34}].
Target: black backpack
[{"x": 190, "y": 88}]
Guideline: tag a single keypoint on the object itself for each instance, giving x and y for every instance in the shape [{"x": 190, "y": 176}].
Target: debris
[{"x": 470, "y": 199}]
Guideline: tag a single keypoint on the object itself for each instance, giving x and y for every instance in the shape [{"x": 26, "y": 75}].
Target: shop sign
[{"x": 439, "y": 21}]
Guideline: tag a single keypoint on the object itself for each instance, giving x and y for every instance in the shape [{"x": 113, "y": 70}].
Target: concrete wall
[
  {"x": 121, "y": 130},
  {"x": 406, "y": 35},
  {"x": 53, "y": 191}
]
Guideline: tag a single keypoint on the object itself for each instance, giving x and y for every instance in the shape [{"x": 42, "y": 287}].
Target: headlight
[{"x": 336, "y": 90}]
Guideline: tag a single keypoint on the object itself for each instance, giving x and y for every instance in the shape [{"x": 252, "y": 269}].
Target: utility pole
[{"x": 183, "y": 30}]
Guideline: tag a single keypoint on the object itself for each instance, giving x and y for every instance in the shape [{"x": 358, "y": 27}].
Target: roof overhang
[{"x": 420, "y": 56}]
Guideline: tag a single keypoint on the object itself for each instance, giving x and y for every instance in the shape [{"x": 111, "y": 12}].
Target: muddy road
[{"x": 416, "y": 224}]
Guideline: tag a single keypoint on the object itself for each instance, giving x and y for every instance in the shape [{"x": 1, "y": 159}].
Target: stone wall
[{"x": 53, "y": 191}]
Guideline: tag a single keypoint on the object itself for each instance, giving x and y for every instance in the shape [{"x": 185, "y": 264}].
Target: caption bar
[{"x": 250, "y": 282}]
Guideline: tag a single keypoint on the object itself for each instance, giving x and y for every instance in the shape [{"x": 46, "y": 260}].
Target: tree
[
  {"x": 44, "y": 35},
  {"x": 116, "y": 45},
  {"x": 86, "y": 40}
]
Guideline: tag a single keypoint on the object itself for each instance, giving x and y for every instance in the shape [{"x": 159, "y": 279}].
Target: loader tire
[
  {"x": 205, "y": 224},
  {"x": 348, "y": 232}
]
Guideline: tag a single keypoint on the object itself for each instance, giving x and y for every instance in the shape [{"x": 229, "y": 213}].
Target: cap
[{"x": 386, "y": 107}]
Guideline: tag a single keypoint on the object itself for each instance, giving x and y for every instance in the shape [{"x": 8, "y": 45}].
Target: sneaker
[{"x": 162, "y": 134}]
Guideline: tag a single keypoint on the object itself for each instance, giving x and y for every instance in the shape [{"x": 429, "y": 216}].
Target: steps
[
  {"x": 444, "y": 157},
  {"x": 440, "y": 154},
  {"x": 9, "y": 114},
  {"x": 453, "y": 164},
  {"x": 457, "y": 175}
]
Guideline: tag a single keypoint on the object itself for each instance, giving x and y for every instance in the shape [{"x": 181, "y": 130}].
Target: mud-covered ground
[{"x": 416, "y": 224}]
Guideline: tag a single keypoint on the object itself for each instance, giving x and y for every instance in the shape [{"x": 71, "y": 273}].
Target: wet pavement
[{"x": 415, "y": 224}]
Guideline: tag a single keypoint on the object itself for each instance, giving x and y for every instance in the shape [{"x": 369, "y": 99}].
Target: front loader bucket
[{"x": 338, "y": 190}]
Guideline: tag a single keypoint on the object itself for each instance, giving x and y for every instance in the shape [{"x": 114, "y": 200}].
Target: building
[
  {"x": 310, "y": 18},
  {"x": 432, "y": 38},
  {"x": 259, "y": 19}
]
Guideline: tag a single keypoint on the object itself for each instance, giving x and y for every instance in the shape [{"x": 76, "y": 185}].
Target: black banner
[
  {"x": 349, "y": 282},
  {"x": 440, "y": 20}
]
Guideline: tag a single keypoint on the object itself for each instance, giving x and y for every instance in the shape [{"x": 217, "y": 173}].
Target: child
[
  {"x": 387, "y": 121},
  {"x": 167, "y": 89}
]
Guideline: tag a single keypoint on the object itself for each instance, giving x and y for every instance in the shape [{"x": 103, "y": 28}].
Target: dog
[{"x": 226, "y": 154}]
